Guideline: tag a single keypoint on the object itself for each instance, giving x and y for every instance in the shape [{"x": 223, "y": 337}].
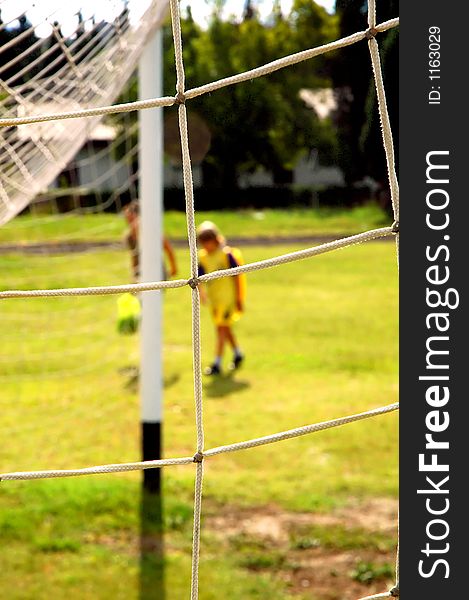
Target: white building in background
[
  {"x": 96, "y": 169},
  {"x": 173, "y": 175},
  {"x": 95, "y": 166},
  {"x": 308, "y": 171}
]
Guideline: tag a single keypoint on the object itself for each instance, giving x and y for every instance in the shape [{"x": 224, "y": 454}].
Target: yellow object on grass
[{"x": 128, "y": 311}]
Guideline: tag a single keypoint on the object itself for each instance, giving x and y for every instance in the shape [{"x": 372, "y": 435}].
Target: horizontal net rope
[
  {"x": 177, "y": 283},
  {"x": 285, "y": 435},
  {"x": 98, "y": 290},
  {"x": 262, "y": 441},
  {"x": 192, "y": 93},
  {"x": 116, "y": 468},
  {"x": 288, "y": 60},
  {"x": 90, "y": 112},
  {"x": 359, "y": 238}
]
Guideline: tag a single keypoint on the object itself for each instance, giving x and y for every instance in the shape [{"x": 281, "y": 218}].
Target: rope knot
[
  {"x": 193, "y": 282},
  {"x": 180, "y": 98},
  {"x": 371, "y": 33},
  {"x": 395, "y": 227},
  {"x": 198, "y": 457}
]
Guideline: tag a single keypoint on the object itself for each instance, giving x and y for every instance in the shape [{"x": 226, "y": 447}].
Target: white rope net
[
  {"x": 88, "y": 68},
  {"x": 13, "y": 198}
]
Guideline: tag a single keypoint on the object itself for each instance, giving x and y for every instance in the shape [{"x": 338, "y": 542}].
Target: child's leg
[
  {"x": 215, "y": 367},
  {"x": 238, "y": 355},
  {"x": 231, "y": 338},
  {"x": 220, "y": 346},
  {"x": 221, "y": 333}
]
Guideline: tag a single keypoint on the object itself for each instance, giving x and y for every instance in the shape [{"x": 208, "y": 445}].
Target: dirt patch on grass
[
  {"x": 345, "y": 554},
  {"x": 271, "y": 522},
  {"x": 341, "y": 555},
  {"x": 331, "y": 575}
]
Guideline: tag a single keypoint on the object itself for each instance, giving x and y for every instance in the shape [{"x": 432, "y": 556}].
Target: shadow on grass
[
  {"x": 224, "y": 385},
  {"x": 151, "y": 547},
  {"x": 133, "y": 377}
]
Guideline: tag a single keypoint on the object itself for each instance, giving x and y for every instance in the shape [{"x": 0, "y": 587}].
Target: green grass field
[
  {"x": 320, "y": 338},
  {"x": 248, "y": 223}
]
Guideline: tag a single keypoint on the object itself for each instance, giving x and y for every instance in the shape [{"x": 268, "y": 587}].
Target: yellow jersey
[{"x": 222, "y": 292}]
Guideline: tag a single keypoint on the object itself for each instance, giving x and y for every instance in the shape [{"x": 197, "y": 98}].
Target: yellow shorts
[{"x": 224, "y": 316}]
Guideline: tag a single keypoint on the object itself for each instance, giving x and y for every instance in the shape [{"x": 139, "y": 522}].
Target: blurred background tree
[
  {"x": 262, "y": 123},
  {"x": 361, "y": 152}
]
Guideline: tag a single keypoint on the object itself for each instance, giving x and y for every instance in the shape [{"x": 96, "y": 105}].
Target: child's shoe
[
  {"x": 237, "y": 361},
  {"x": 213, "y": 369}
]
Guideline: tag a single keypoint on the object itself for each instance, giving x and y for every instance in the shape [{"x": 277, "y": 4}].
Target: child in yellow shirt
[{"x": 225, "y": 295}]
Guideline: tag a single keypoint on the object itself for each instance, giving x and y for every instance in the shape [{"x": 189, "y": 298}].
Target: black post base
[
  {"x": 151, "y": 533},
  {"x": 151, "y": 450}
]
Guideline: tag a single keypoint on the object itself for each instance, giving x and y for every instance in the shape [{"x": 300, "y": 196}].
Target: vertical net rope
[{"x": 193, "y": 281}]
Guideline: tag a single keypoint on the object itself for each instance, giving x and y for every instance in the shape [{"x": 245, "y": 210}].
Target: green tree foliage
[
  {"x": 20, "y": 48},
  {"x": 357, "y": 118},
  {"x": 262, "y": 122}
]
